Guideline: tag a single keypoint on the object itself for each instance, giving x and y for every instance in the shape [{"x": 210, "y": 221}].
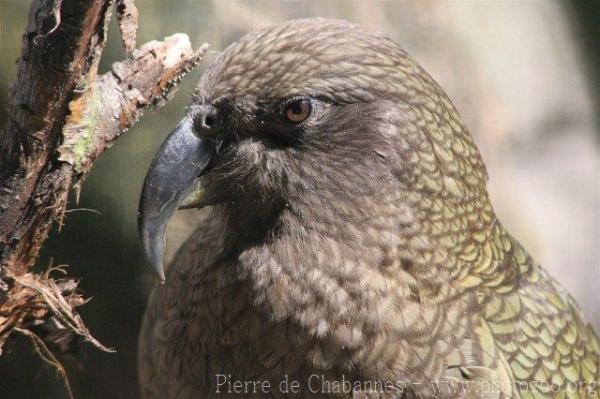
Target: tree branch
[{"x": 61, "y": 117}]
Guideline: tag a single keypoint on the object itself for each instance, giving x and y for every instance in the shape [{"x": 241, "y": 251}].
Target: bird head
[{"x": 316, "y": 118}]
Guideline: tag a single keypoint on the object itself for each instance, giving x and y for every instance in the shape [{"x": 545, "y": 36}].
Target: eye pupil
[
  {"x": 297, "y": 108},
  {"x": 297, "y": 111}
]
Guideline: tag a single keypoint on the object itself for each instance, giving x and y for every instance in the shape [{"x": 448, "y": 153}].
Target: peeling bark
[
  {"x": 121, "y": 96},
  {"x": 127, "y": 17},
  {"x": 62, "y": 116}
]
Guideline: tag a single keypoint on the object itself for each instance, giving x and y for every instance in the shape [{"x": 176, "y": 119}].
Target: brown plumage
[{"x": 358, "y": 244}]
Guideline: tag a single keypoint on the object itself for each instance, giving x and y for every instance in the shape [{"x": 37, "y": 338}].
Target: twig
[
  {"x": 48, "y": 357},
  {"x": 83, "y": 210}
]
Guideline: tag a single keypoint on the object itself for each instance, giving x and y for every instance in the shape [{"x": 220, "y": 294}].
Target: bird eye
[{"x": 298, "y": 110}]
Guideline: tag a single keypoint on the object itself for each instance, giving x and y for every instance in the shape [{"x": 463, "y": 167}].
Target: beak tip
[
  {"x": 153, "y": 248},
  {"x": 154, "y": 255},
  {"x": 160, "y": 271}
]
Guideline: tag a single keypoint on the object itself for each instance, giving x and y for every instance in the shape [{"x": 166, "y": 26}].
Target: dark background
[{"x": 524, "y": 75}]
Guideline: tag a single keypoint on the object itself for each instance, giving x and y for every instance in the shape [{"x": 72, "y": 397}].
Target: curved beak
[{"x": 180, "y": 160}]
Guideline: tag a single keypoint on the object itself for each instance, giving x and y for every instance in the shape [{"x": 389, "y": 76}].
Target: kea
[{"x": 349, "y": 247}]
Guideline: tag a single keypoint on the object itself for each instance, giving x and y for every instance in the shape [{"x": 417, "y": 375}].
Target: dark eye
[{"x": 298, "y": 110}]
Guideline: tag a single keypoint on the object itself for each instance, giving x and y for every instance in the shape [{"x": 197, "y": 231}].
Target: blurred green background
[{"x": 523, "y": 75}]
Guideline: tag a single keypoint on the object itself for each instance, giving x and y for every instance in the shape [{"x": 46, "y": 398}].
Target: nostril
[
  {"x": 209, "y": 120},
  {"x": 204, "y": 117}
]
